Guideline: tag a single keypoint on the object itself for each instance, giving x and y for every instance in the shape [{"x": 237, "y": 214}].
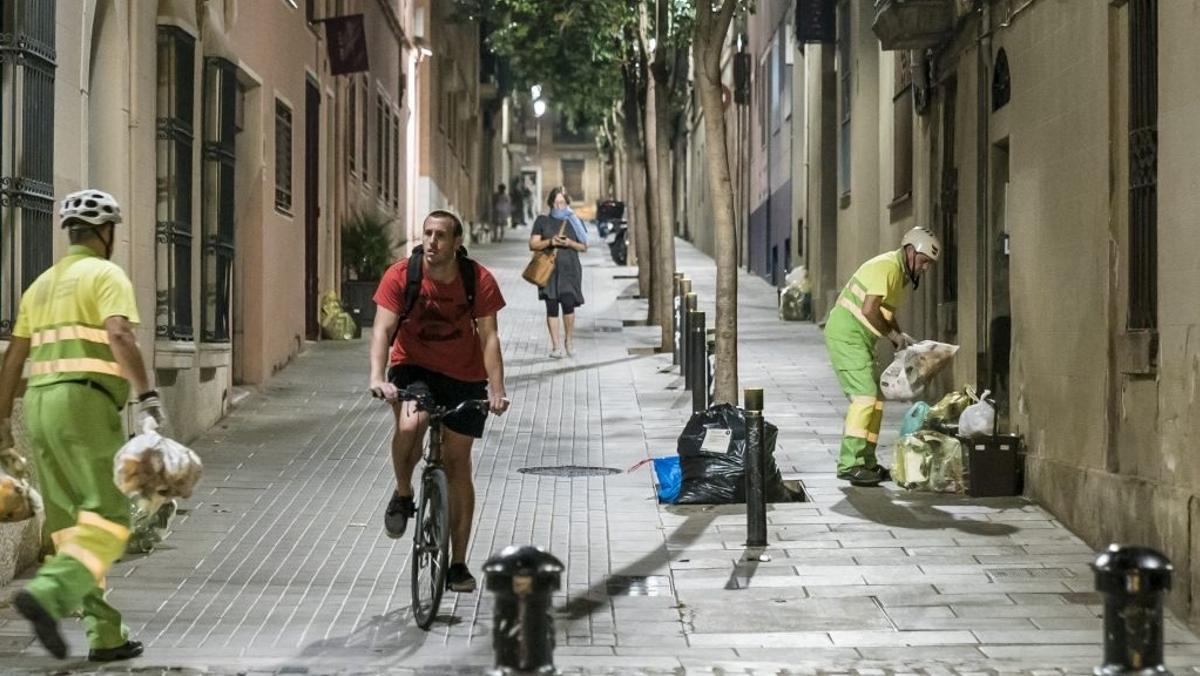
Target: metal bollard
[
  {"x": 699, "y": 361},
  {"x": 1133, "y": 581},
  {"x": 523, "y": 578},
  {"x": 677, "y": 311},
  {"x": 689, "y": 306},
  {"x": 756, "y": 470}
]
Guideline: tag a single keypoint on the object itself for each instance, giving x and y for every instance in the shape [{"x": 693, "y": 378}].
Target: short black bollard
[
  {"x": 523, "y": 578},
  {"x": 698, "y": 354},
  {"x": 1133, "y": 581},
  {"x": 689, "y": 305},
  {"x": 756, "y": 466},
  {"x": 677, "y": 312}
]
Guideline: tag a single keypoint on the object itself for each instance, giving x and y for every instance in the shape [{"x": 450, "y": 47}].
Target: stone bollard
[
  {"x": 689, "y": 306},
  {"x": 698, "y": 368},
  {"x": 523, "y": 578},
  {"x": 677, "y": 312},
  {"x": 1133, "y": 581},
  {"x": 756, "y": 476}
]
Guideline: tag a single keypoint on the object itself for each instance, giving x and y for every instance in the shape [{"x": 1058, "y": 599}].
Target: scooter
[
  {"x": 608, "y": 213},
  {"x": 618, "y": 242}
]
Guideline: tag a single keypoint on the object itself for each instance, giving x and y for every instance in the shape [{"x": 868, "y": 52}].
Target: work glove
[
  {"x": 901, "y": 340},
  {"x": 149, "y": 407},
  {"x": 6, "y": 436}
]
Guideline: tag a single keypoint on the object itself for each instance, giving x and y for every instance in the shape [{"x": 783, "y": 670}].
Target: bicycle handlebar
[{"x": 425, "y": 402}]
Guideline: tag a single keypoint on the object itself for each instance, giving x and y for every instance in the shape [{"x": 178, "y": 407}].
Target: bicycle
[{"x": 431, "y": 531}]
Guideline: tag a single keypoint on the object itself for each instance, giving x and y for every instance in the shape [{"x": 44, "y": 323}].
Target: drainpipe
[{"x": 982, "y": 305}]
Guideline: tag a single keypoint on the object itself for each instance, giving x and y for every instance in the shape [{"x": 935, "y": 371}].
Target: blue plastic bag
[
  {"x": 666, "y": 470},
  {"x": 914, "y": 418}
]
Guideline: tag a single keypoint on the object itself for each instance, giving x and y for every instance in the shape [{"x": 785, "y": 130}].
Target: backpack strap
[{"x": 467, "y": 271}]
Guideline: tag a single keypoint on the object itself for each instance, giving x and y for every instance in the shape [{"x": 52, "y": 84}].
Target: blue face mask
[{"x": 565, "y": 214}]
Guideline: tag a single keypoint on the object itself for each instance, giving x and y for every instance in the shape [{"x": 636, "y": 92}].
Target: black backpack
[{"x": 467, "y": 271}]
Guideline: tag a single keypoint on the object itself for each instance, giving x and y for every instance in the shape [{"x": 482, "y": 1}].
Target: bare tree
[{"x": 712, "y": 26}]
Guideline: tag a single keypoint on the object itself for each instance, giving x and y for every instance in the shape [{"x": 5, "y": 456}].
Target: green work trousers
[
  {"x": 851, "y": 352},
  {"x": 75, "y": 432}
]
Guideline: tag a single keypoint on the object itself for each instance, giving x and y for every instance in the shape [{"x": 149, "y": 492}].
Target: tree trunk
[
  {"x": 653, "y": 208},
  {"x": 709, "y": 39},
  {"x": 636, "y": 176},
  {"x": 664, "y": 263}
]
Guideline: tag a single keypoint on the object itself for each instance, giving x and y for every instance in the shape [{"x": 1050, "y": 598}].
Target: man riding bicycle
[{"x": 434, "y": 332}]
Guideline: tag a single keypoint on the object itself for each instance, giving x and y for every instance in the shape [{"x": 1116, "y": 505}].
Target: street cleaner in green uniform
[
  {"x": 75, "y": 328},
  {"x": 866, "y": 311}
]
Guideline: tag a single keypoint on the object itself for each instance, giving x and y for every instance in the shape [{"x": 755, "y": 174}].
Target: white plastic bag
[
  {"x": 151, "y": 469},
  {"x": 978, "y": 419},
  {"x": 906, "y": 377}
]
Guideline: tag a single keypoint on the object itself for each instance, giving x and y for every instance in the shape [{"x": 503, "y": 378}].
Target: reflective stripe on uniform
[
  {"x": 113, "y": 528},
  {"x": 857, "y": 432},
  {"x": 866, "y": 400},
  {"x": 76, "y": 365},
  {"x": 60, "y": 536},
  {"x": 93, "y": 563},
  {"x": 76, "y": 332},
  {"x": 857, "y": 312}
]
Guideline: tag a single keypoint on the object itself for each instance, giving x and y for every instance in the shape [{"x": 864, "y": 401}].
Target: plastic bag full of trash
[
  {"x": 905, "y": 378},
  {"x": 18, "y": 500},
  {"x": 795, "y": 300},
  {"x": 151, "y": 469},
  {"x": 929, "y": 461}
]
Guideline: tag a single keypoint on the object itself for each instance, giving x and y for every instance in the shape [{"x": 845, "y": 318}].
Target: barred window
[
  {"x": 902, "y": 127},
  {"x": 572, "y": 178},
  {"x": 381, "y": 147},
  {"x": 366, "y": 116},
  {"x": 844, "y": 82},
  {"x": 173, "y": 216},
  {"x": 351, "y": 125},
  {"x": 283, "y": 157},
  {"x": 1143, "y": 164},
  {"x": 26, "y": 149},
  {"x": 217, "y": 187},
  {"x": 396, "y": 160}
]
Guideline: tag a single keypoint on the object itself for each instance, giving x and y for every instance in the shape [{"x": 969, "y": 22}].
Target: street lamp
[{"x": 539, "y": 108}]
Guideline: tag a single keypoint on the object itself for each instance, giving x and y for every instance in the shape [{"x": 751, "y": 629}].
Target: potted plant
[{"x": 366, "y": 255}]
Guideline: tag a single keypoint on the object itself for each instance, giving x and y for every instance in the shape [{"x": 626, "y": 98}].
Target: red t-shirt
[{"x": 439, "y": 333}]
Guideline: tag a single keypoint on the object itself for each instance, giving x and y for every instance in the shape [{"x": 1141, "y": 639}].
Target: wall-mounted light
[
  {"x": 539, "y": 108},
  {"x": 536, "y": 91}
]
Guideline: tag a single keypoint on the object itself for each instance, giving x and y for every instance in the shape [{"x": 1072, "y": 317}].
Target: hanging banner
[
  {"x": 347, "y": 44},
  {"x": 816, "y": 21}
]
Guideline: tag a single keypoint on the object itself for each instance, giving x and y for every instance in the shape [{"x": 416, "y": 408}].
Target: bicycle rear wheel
[{"x": 431, "y": 547}]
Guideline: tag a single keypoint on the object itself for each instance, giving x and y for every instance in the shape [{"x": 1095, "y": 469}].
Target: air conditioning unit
[{"x": 913, "y": 24}]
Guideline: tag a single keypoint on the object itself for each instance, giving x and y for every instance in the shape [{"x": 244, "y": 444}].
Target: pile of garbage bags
[
  {"x": 905, "y": 378},
  {"x": 336, "y": 323},
  {"x": 795, "y": 300},
  {"x": 712, "y": 461},
  {"x": 152, "y": 469},
  {"x": 929, "y": 454}
]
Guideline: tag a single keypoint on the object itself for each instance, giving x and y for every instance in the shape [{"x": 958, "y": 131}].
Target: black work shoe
[
  {"x": 866, "y": 477},
  {"x": 459, "y": 579},
  {"x": 395, "y": 518},
  {"x": 126, "y": 651},
  {"x": 44, "y": 625}
]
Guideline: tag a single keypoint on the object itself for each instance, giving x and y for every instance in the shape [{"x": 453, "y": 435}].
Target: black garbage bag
[{"x": 712, "y": 456}]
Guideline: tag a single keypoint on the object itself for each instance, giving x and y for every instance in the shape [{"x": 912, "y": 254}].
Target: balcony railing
[{"x": 913, "y": 24}]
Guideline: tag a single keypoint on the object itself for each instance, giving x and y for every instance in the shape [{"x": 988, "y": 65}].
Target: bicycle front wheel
[{"x": 431, "y": 547}]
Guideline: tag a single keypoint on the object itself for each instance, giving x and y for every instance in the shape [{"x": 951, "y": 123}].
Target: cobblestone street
[{"x": 279, "y": 563}]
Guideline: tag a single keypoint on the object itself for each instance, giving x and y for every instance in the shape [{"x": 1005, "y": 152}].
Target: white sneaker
[
  {"x": 556, "y": 353},
  {"x": 570, "y": 351}
]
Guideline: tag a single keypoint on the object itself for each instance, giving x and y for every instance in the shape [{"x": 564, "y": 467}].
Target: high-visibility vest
[
  {"x": 882, "y": 276},
  {"x": 63, "y": 314}
]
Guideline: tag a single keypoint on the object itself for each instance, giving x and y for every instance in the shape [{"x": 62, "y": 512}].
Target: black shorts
[{"x": 448, "y": 392}]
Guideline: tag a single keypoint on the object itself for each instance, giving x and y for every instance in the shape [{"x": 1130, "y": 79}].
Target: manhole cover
[{"x": 569, "y": 471}]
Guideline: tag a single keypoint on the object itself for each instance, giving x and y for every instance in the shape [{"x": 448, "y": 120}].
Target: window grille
[
  {"x": 572, "y": 173},
  {"x": 1143, "y": 164},
  {"x": 217, "y": 188},
  {"x": 283, "y": 157},
  {"x": 27, "y": 224},
  {"x": 902, "y": 127},
  {"x": 173, "y": 216},
  {"x": 352, "y": 125},
  {"x": 844, "y": 82}
]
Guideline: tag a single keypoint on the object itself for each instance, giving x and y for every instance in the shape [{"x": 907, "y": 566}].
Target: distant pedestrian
[
  {"x": 562, "y": 230},
  {"x": 501, "y": 210},
  {"x": 75, "y": 326},
  {"x": 519, "y": 198}
]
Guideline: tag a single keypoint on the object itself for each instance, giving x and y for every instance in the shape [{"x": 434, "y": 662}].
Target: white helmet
[
  {"x": 923, "y": 241},
  {"x": 93, "y": 207}
]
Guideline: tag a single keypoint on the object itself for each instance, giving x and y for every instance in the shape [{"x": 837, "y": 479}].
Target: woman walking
[{"x": 563, "y": 231}]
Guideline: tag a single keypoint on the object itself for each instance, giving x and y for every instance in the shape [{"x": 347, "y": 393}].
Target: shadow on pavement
[
  {"x": 618, "y": 583},
  {"x": 586, "y": 366},
  {"x": 916, "y": 510}
]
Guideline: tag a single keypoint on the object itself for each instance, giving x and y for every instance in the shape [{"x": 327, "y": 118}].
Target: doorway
[{"x": 999, "y": 311}]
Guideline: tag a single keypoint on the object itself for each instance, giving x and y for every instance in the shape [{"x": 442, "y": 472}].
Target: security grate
[
  {"x": 569, "y": 471},
  {"x": 1143, "y": 164}
]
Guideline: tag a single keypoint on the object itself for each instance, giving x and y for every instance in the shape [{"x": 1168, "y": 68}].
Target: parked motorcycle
[{"x": 611, "y": 225}]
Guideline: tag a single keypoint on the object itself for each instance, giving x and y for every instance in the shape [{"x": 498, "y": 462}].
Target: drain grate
[
  {"x": 570, "y": 471},
  {"x": 638, "y": 585}
]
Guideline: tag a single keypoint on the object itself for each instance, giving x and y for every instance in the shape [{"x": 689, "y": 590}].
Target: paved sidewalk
[{"x": 279, "y": 563}]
